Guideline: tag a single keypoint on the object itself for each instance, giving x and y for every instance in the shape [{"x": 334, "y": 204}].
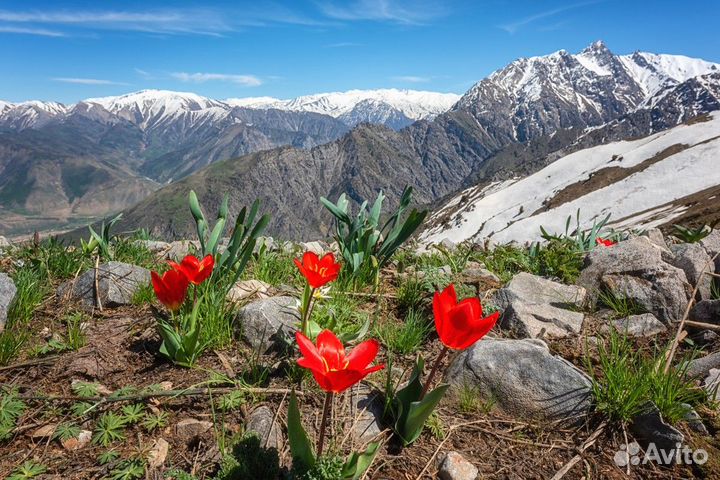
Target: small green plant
[
  {"x": 231, "y": 263},
  {"x": 66, "y": 431},
  {"x": 133, "y": 413},
  {"x": 11, "y": 343},
  {"x": 177, "y": 474},
  {"x": 86, "y": 390},
  {"x": 622, "y": 305},
  {"x": 75, "y": 324},
  {"x": 144, "y": 295},
  {"x": 11, "y": 409},
  {"x": 274, "y": 268},
  {"x": 248, "y": 460},
  {"x": 80, "y": 409},
  {"x": 27, "y": 470},
  {"x": 406, "y": 337},
  {"x": 128, "y": 470},
  {"x": 558, "y": 257},
  {"x": 153, "y": 421},
  {"x": 457, "y": 258},
  {"x": 436, "y": 426},
  {"x": 110, "y": 428},
  {"x": 181, "y": 343},
  {"x": 365, "y": 244},
  {"x": 410, "y": 293},
  {"x": 100, "y": 241},
  {"x": 506, "y": 260},
  {"x": 31, "y": 289},
  {"x": 470, "y": 400},
  {"x": 585, "y": 239},
  {"x": 54, "y": 259},
  {"x": 691, "y": 235},
  {"x": 108, "y": 456}
]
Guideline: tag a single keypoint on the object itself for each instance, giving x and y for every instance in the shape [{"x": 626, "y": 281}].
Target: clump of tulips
[
  {"x": 181, "y": 336},
  {"x": 459, "y": 325}
]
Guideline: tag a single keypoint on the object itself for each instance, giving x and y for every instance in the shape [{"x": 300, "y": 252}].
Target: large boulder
[
  {"x": 524, "y": 379},
  {"x": 269, "y": 322},
  {"x": 533, "y": 306},
  {"x": 634, "y": 269},
  {"x": 117, "y": 283},
  {"x": 263, "y": 423},
  {"x": 711, "y": 244},
  {"x": 7, "y": 295},
  {"x": 692, "y": 259}
]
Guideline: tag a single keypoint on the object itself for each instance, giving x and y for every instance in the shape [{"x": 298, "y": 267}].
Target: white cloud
[
  {"x": 406, "y": 12},
  {"x": 246, "y": 80},
  {"x": 411, "y": 79},
  {"x": 30, "y": 31},
  {"x": 87, "y": 81},
  {"x": 513, "y": 27}
]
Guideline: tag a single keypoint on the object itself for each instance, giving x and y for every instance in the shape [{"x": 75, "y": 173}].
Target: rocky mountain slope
[
  {"x": 514, "y": 122},
  {"x": 641, "y": 183}
]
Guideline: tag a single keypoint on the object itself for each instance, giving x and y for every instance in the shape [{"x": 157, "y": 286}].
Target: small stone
[
  {"x": 158, "y": 453},
  {"x": 318, "y": 248},
  {"x": 262, "y": 422},
  {"x": 245, "y": 289},
  {"x": 711, "y": 384},
  {"x": 77, "y": 443},
  {"x": 650, "y": 427},
  {"x": 7, "y": 294},
  {"x": 177, "y": 250},
  {"x": 656, "y": 238},
  {"x": 701, "y": 366},
  {"x": 706, "y": 311},
  {"x": 644, "y": 325},
  {"x": 45, "y": 431},
  {"x": 269, "y": 322},
  {"x": 189, "y": 429},
  {"x": 154, "y": 246},
  {"x": 693, "y": 420},
  {"x": 455, "y": 467},
  {"x": 480, "y": 274},
  {"x": 117, "y": 284}
]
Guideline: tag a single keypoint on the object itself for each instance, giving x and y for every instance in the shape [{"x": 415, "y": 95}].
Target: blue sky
[{"x": 66, "y": 51}]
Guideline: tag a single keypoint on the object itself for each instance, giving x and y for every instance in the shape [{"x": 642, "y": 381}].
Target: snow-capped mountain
[
  {"x": 640, "y": 183},
  {"x": 538, "y": 95},
  {"x": 159, "y": 108},
  {"x": 385, "y": 106}
]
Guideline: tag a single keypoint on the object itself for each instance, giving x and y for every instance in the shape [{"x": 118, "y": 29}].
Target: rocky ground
[{"x": 537, "y": 398}]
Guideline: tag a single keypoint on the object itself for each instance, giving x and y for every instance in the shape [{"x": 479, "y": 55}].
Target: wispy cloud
[
  {"x": 246, "y": 80},
  {"x": 404, "y": 12},
  {"x": 513, "y": 27},
  {"x": 30, "y": 31},
  {"x": 411, "y": 79},
  {"x": 344, "y": 45},
  {"x": 87, "y": 81}
]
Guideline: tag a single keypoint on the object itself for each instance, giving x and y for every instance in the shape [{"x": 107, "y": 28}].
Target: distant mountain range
[
  {"x": 511, "y": 124},
  {"x": 60, "y": 162}
]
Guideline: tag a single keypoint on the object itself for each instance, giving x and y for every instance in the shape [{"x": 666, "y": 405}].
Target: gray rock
[
  {"x": 649, "y": 427},
  {"x": 711, "y": 384},
  {"x": 262, "y": 422},
  {"x": 155, "y": 246},
  {"x": 634, "y": 269},
  {"x": 189, "y": 429},
  {"x": 245, "y": 289},
  {"x": 532, "y": 306},
  {"x": 700, "y": 367},
  {"x": 180, "y": 248},
  {"x": 694, "y": 420},
  {"x": 480, "y": 274},
  {"x": 524, "y": 379},
  {"x": 455, "y": 467},
  {"x": 656, "y": 238},
  {"x": 692, "y": 259},
  {"x": 366, "y": 410},
  {"x": 711, "y": 244},
  {"x": 706, "y": 311},
  {"x": 117, "y": 284},
  {"x": 645, "y": 325},
  {"x": 318, "y": 248},
  {"x": 7, "y": 294},
  {"x": 269, "y": 322}
]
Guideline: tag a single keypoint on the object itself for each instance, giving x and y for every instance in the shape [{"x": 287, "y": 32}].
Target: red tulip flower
[
  {"x": 334, "y": 371},
  {"x": 171, "y": 288},
  {"x": 460, "y": 324},
  {"x": 196, "y": 271},
  {"x": 604, "y": 242},
  {"x": 318, "y": 271}
]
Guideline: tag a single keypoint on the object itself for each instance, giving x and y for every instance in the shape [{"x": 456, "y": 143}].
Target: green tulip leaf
[
  {"x": 357, "y": 463},
  {"x": 300, "y": 446}
]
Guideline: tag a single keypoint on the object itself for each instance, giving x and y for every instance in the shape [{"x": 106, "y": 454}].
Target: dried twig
[{"x": 587, "y": 444}]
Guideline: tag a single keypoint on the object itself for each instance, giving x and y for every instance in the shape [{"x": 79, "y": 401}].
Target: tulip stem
[
  {"x": 435, "y": 367},
  {"x": 323, "y": 422},
  {"x": 308, "y": 296}
]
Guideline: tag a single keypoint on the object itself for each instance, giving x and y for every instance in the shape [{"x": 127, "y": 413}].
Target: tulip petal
[
  {"x": 331, "y": 350},
  {"x": 311, "y": 355},
  {"x": 363, "y": 354}
]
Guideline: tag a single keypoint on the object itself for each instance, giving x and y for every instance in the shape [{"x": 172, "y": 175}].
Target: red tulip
[
  {"x": 196, "y": 271},
  {"x": 171, "y": 288},
  {"x": 334, "y": 371},
  {"x": 604, "y": 242},
  {"x": 318, "y": 271},
  {"x": 459, "y": 325}
]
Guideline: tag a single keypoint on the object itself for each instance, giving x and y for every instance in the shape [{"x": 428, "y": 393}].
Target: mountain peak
[{"x": 597, "y": 48}]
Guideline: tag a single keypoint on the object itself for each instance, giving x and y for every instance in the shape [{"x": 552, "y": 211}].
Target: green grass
[
  {"x": 627, "y": 378},
  {"x": 11, "y": 342},
  {"x": 32, "y": 287},
  {"x": 216, "y": 316},
  {"x": 56, "y": 259},
  {"x": 75, "y": 337},
  {"x": 471, "y": 401},
  {"x": 506, "y": 261},
  {"x": 558, "y": 258},
  {"x": 135, "y": 253},
  {"x": 407, "y": 337},
  {"x": 341, "y": 313},
  {"x": 274, "y": 268},
  {"x": 620, "y": 304},
  {"x": 410, "y": 293}
]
